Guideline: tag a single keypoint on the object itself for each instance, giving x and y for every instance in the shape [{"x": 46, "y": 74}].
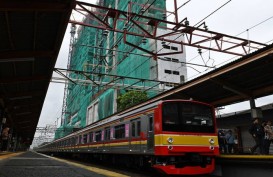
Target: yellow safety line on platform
[
  {"x": 9, "y": 154},
  {"x": 93, "y": 169},
  {"x": 246, "y": 156}
]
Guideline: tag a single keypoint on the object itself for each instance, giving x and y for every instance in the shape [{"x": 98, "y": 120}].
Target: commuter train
[{"x": 173, "y": 136}]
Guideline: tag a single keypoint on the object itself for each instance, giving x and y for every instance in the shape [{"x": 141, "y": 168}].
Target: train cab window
[
  {"x": 90, "y": 137},
  {"x": 84, "y": 138},
  {"x": 187, "y": 117},
  {"x": 107, "y": 134},
  {"x": 120, "y": 131},
  {"x": 170, "y": 114},
  {"x": 98, "y": 136}
]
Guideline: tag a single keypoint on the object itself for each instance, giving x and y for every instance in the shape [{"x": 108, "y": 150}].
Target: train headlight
[
  {"x": 170, "y": 140},
  {"x": 211, "y": 141}
]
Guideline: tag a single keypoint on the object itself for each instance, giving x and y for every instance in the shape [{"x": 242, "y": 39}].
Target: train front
[{"x": 185, "y": 138}]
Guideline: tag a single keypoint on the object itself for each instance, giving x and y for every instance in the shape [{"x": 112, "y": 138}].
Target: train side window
[
  {"x": 90, "y": 137},
  {"x": 151, "y": 122},
  {"x": 120, "y": 131},
  {"x": 71, "y": 142},
  {"x": 133, "y": 129},
  {"x": 98, "y": 136},
  {"x": 84, "y": 138},
  {"x": 138, "y": 128},
  {"x": 80, "y": 139},
  {"x": 107, "y": 134},
  {"x": 77, "y": 140}
]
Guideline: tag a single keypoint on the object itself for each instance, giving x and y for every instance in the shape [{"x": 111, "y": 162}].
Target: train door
[
  {"x": 150, "y": 132},
  {"x": 134, "y": 138}
]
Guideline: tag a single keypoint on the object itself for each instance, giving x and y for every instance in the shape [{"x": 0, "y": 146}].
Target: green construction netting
[
  {"x": 106, "y": 105},
  {"x": 121, "y": 61}
]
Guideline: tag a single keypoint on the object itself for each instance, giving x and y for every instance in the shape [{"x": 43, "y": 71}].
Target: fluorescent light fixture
[
  {"x": 22, "y": 122},
  {"x": 23, "y": 113},
  {"x": 20, "y": 97},
  {"x": 16, "y": 60}
]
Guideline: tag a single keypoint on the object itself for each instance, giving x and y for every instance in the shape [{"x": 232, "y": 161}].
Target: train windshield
[{"x": 187, "y": 117}]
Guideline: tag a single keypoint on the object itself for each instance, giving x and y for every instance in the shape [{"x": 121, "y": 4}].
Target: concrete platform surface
[{"x": 30, "y": 164}]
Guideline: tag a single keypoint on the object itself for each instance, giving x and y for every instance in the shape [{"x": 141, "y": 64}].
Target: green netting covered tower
[{"x": 104, "y": 52}]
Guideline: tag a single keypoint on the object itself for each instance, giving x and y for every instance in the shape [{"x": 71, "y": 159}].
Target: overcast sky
[{"x": 234, "y": 18}]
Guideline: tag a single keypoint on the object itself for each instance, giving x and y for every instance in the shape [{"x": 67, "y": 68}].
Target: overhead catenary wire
[
  {"x": 201, "y": 20},
  {"x": 212, "y": 13},
  {"x": 254, "y": 26}
]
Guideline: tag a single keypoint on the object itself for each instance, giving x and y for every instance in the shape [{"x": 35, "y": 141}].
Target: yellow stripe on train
[
  {"x": 164, "y": 139},
  {"x": 112, "y": 144}
]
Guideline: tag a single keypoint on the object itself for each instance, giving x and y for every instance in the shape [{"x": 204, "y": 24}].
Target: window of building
[
  {"x": 175, "y": 60},
  {"x": 169, "y": 84},
  {"x": 168, "y": 71},
  {"x": 182, "y": 79},
  {"x": 166, "y": 46},
  {"x": 93, "y": 115},
  {"x": 89, "y": 117},
  {"x": 168, "y": 58},
  {"x": 174, "y": 48},
  {"x": 176, "y": 72}
]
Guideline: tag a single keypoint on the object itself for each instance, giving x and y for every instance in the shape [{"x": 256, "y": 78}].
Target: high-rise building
[{"x": 97, "y": 56}]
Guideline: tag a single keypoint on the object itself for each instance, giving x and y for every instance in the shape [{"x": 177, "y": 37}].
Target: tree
[{"x": 130, "y": 98}]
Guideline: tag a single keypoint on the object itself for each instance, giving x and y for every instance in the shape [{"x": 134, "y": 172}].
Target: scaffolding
[
  {"x": 117, "y": 49},
  {"x": 101, "y": 66}
]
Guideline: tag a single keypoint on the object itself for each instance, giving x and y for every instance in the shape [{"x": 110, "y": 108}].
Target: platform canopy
[{"x": 31, "y": 33}]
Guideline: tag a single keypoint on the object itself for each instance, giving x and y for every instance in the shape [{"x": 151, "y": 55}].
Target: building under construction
[{"x": 104, "y": 64}]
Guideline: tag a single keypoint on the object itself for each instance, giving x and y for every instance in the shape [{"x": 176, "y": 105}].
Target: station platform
[
  {"x": 244, "y": 165},
  {"x": 31, "y": 164}
]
